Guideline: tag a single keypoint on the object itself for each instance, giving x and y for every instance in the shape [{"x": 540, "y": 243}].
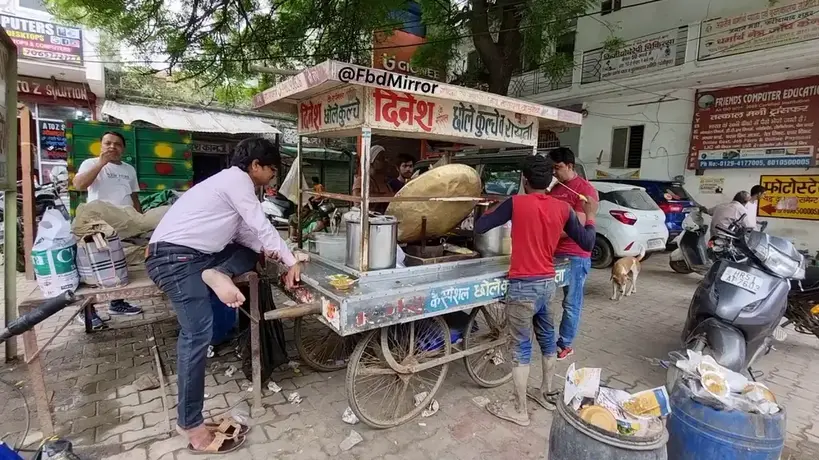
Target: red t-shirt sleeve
[{"x": 589, "y": 191}]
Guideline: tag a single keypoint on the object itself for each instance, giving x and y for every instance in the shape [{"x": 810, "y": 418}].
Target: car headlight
[{"x": 779, "y": 263}]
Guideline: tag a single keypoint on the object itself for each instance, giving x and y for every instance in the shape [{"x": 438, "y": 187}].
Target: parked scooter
[
  {"x": 738, "y": 306},
  {"x": 691, "y": 254}
]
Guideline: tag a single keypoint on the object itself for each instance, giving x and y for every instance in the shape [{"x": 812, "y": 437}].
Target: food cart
[{"x": 401, "y": 318}]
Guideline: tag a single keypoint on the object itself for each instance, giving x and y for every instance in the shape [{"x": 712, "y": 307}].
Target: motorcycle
[
  {"x": 738, "y": 306},
  {"x": 803, "y": 303}
]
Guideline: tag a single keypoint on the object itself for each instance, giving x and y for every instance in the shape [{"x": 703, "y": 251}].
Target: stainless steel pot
[
  {"x": 382, "y": 242},
  {"x": 495, "y": 242}
]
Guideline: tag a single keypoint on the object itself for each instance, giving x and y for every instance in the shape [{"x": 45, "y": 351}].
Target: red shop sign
[
  {"x": 54, "y": 89},
  {"x": 772, "y": 125}
]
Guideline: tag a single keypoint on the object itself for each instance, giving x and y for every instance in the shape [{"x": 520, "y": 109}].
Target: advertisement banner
[
  {"x": 393, "y": 51},
  {"x": 52, "y": 140},
  {"x": 332, "y": 111},
  {"x": 712, "y": 185},
  {"x": 44, "y": 41},
  {"x": 395, "y": 110},
  {"x": 781, "y": 24},
  {"x": 790, "y": 197},
  {"x": 647, "y": 54},
  {"x": 772, "y": 125}
]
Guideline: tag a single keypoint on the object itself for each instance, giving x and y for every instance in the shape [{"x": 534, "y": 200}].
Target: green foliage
[{"x": 215, "y": 42}]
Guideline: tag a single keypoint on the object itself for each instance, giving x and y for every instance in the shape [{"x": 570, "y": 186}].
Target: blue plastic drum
[{"x": 698, "y": 432}]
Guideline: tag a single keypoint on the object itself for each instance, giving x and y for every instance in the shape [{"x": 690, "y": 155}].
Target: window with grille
[
  {"x": 627, "y": 146},
  {"x": 609, "y": 6},
  {"x": 547, "y": 139}
]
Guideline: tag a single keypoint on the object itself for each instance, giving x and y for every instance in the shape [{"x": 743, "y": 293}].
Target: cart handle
[{"x": 293, "y": 312}]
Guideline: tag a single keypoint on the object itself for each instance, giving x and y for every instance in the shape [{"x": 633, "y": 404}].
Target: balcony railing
[
  {"x": 787, "y": 27},
  {"x": 536, "y": 81}
]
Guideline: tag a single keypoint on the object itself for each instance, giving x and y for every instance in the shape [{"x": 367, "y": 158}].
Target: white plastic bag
[
  {"x": 53, "y": 255},
  {"x": 290, "y": 186}
]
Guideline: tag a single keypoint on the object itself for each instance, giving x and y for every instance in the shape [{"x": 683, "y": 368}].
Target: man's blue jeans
[
  {"x": 177, "y": 270},
  {"x": 527, "y": 306},
  {"x": 573, "y": 299}
]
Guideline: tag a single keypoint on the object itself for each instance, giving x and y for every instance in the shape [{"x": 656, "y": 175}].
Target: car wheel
[{"x": 602, "y": 255}]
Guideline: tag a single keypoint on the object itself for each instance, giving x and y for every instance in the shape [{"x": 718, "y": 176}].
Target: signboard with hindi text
[
  {"x": 337, "y": 110},
  {"x": 771, "y": 125},
  {"x": 790, "y": 197},
  {"x": 646, "y": 54},
  {"x": 781, "y": 24},
  {"x": 442, "y": 118}
]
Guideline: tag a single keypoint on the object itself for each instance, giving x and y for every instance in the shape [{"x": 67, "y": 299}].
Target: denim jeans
[
  {"x": 573, "y": 299},
  {"x": 527, "y": 306},
  {"x": 177, "y": 271}
]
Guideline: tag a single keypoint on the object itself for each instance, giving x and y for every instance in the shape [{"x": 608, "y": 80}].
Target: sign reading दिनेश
[
  {"x": 332, "y": 111},
  {"x": 44, "y": 41},
  {"x": 761, "y": 29},
  {"x": 399, "y": 111},
  {"x": 771, "y": 125},
  {"x": 790, "y": 197}
]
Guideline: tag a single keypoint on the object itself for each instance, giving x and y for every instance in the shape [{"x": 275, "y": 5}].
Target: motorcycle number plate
[{"x": 741, "y": 279}]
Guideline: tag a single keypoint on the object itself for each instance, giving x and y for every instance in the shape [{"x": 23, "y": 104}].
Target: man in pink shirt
[{"x": 215, "y": 231}]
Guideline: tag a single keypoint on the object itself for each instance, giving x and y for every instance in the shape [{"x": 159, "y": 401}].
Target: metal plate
[{"x": 741, "y": 279}]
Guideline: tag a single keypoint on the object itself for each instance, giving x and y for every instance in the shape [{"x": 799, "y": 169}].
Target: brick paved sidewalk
[{"x": 91, "y": 378}]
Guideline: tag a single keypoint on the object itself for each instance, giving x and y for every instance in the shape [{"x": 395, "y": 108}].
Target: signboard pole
[{"x": 8, "y": 182}]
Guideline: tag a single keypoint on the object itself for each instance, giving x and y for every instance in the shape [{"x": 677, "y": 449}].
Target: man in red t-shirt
[
  {"x": 579, "y": 258},
  {"x": 538, "y": 221}
]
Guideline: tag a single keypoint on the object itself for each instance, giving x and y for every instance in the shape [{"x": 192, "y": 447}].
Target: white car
[{"x": 627, "y": 220}]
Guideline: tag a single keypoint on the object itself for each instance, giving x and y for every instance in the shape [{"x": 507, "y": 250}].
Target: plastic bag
[
  {"x": 290, "y": 186},
  {"x": 53, "y": 255}
]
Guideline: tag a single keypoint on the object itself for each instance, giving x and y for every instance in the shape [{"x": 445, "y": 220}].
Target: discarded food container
[
  {"x": 573, "y": 439},
  {"x": 698, "y": 431}
]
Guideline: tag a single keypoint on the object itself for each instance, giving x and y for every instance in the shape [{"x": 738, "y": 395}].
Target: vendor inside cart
[
  {"x": 379, "y": 182},
  {"x": 537, "y": 222}
]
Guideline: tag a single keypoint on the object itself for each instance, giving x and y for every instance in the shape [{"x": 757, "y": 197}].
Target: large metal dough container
[{"x": 453, "y": 180}]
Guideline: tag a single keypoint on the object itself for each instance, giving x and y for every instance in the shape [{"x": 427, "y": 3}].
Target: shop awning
[{"x": 196, "y": 120}]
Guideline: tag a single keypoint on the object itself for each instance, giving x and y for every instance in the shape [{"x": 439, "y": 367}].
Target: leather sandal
[
  {"x": 229, "y": 427},
  {"x": 221, "y": 444}
]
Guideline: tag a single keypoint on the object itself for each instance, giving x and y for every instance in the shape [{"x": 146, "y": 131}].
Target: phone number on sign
[
  {"x": 39, "y": 54},
  {"x": 757, "y": 163}
]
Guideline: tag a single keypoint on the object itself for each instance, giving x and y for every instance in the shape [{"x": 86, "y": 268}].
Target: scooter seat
[{"x": 810, "y": 282}]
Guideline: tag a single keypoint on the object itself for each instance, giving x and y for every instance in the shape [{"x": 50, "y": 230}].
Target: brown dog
[{"x": 624, "y": 275}]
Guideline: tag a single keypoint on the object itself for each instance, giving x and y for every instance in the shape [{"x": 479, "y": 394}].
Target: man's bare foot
[
  {"x": 224, "y": 288},
  {"x": 199, "y": 437}
]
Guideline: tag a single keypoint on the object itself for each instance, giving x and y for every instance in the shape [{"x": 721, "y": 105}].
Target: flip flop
[
  {"x": 221, "y": 444},
  {"x": 229, "y": 427},
  {"x": 498, "y": 410},
  {"x": 537, "y": 396}
]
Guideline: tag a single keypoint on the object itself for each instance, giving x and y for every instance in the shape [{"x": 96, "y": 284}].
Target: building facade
[
  {"x": 61, "y": 76},
  {"x": 720, "y": 94}
]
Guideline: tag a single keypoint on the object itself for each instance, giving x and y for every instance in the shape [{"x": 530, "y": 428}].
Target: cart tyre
[
  {"x": 469, "y": 338},
  {"x": 307, "y": 353},
  {"x": 374, "y": 339}
]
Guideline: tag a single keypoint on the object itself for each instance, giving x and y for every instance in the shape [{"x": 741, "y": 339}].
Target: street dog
[{"x": 624, "y": 275}]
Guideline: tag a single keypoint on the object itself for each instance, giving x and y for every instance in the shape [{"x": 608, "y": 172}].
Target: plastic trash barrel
[
  {"x": 573, "y": 439},
  {"x": 698, "y": 431}
]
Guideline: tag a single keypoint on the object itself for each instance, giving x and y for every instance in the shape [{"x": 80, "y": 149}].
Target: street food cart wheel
[
  {"x": 320, "y": 347},
  {"x": 381, "y": 387},
  {"x": 492, "y": 367}
]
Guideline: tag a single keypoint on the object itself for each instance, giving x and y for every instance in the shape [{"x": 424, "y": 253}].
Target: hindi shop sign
[
  {"x": 399, "y": 111},
  {"x": 44, "y": 41},
  {"x": 332, "y": 111},
  {"x": 790, "y": 197},
  {"x": 761, "y": 126},
  {"x": 782, "y": 24},
  {"x": 647, "y": 54}
]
